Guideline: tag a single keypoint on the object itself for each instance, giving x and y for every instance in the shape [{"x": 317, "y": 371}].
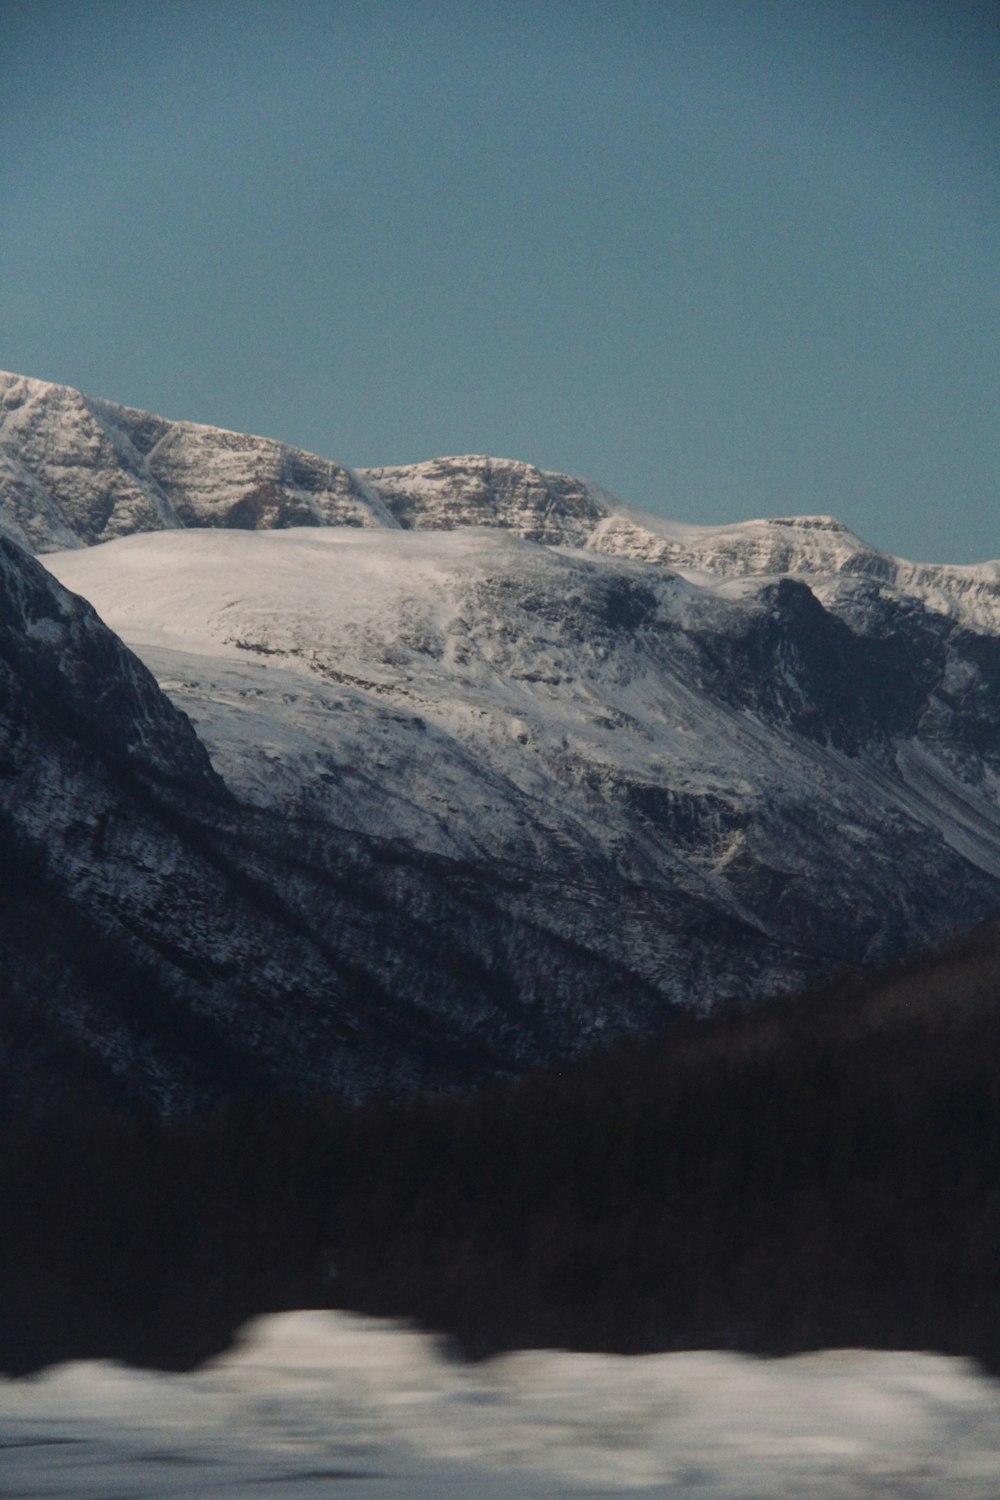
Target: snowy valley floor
[{"x": 330, "y": 1404}]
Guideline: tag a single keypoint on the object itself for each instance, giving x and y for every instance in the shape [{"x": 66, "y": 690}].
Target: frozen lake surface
[{"x": 321, "y": 1404}]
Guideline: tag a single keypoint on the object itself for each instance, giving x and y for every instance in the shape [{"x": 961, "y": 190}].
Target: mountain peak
[{"x": 75, "y": 470}]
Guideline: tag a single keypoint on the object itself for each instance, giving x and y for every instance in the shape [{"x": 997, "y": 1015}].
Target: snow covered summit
[{"x": 75, "y": 470}]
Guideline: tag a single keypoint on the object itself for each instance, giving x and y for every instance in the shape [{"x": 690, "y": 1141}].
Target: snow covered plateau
[{"x": 488, "y": 766}]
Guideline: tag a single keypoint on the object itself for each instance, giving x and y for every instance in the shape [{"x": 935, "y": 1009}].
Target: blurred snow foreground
[{"x": 328, "y": 1404}]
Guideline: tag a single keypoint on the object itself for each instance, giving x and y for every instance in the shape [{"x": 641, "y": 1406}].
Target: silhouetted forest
[{"x": 816, "y": 1171}]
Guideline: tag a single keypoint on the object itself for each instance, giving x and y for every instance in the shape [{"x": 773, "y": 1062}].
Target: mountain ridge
[
  {"x": 77, "y": 470},
  {"x": 500, "y": 767}
]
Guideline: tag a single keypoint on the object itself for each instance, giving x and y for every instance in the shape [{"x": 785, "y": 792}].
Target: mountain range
[{"x": 396, "y": 777}]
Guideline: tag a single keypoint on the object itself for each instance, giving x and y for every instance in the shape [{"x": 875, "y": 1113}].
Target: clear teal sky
[{"x": 728, "y": 259}]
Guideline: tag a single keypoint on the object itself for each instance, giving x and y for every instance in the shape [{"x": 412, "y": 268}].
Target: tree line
[{"x": 814, "y": 1171}]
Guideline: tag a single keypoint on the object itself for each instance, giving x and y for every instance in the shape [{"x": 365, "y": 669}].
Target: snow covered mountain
[
  {"x": 565, "y": 765},
  {"x": 484, "y": 698},
  {"x": 75, "y": 470},
  {"x": 160, "y": 938}
]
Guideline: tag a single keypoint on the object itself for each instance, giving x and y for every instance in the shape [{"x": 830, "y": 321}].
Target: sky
[{"x": 727, "y": 258}]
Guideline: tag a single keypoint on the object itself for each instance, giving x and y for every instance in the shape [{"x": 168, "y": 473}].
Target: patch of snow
[{"x": 331, "y": 1403}]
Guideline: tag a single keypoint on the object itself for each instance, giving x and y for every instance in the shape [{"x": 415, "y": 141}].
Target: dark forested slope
[{"x": 794, "y": 1176}]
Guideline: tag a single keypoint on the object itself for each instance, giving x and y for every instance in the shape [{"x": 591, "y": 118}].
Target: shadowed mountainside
[{"x": 820, "y": 1171}]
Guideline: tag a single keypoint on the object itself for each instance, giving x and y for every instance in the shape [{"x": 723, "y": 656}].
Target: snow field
[{"x": 329, "y": 1404}]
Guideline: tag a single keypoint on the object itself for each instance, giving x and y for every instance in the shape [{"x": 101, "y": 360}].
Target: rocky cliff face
[
  {"x": 475, "y": 491},
  {"x": 845, "y": 572},
  {"x": 75, "y": 470},
  {"x": 478, "y": 768}
]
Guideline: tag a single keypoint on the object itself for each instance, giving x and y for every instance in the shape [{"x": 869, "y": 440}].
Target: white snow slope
[
  {"x": 475, "y": 694},
  {"x": 329, "y": 1405}
]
